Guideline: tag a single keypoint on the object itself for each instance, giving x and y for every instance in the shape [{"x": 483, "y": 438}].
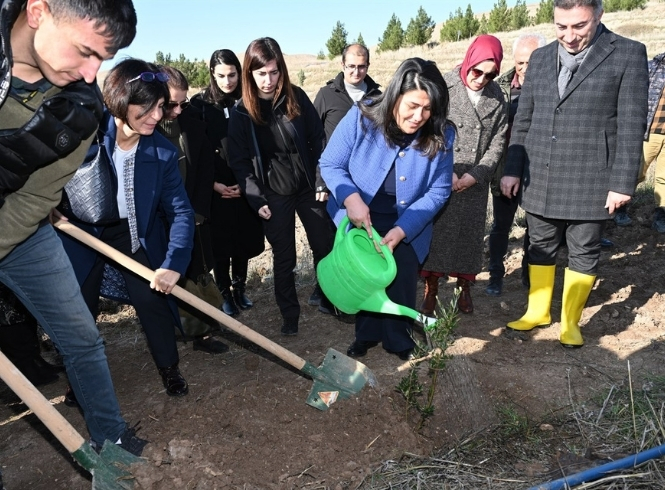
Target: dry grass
[
  {"x": 645, "y": 26},
  {"x": 518, "y": 452}
]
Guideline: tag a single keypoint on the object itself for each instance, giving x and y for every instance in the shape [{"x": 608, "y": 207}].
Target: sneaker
[
  {"x": 659, "y": 220},
  {"x": 605, "y": 243},
  {"x": 130, "y": 442},
  {"x": 127, "y": 441},
  {"x": 494, "y": 287},
  {"x": 315, "y": 297},
  {"x": 621, "y": 218}
]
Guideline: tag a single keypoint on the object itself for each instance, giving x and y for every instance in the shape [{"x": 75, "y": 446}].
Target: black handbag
[{"x": 91, "y": 195}]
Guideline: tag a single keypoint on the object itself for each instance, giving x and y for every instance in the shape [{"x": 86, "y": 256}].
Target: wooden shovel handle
[
  {"x": 41, "y": 407},
  {"x": 186, "y": 296}
]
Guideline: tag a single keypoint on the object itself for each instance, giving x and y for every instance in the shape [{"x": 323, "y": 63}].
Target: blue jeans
[{"x": 41, "y": 275}]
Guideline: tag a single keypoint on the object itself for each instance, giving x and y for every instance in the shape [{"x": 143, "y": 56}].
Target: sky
[{"x": 196, "y": 28}]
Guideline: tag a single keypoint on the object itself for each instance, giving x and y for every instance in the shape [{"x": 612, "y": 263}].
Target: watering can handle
[{"x": 342, "y": 230}]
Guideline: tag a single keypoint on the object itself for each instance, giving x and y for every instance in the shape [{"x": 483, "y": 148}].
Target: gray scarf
[{"x": 571, "y": 62}]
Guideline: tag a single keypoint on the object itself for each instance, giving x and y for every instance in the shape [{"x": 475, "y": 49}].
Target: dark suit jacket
[
  {"x": 159, "y": 195},
  {"x": 570, "y": 151}
]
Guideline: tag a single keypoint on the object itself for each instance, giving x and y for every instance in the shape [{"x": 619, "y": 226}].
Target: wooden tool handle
[
  {"x": 186, "y": 296},
  {"x": 41, "y": 407}
]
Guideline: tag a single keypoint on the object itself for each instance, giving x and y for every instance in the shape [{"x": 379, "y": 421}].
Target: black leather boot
[
  {"x": 242, "y": 301},
  {"x": 174, "y": 382},
  {"x": 229, "y": 306}
]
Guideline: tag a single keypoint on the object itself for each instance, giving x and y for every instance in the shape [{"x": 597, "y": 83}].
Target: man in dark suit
[{"x": 575, "y": 153}]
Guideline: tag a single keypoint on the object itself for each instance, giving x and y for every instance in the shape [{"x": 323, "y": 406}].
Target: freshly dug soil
[{"x": 245, "y": 423}]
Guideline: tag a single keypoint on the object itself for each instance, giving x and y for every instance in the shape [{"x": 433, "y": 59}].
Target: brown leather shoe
[
  {"x": 464, "y": 303},
  {"x": 431, "y": 290}
]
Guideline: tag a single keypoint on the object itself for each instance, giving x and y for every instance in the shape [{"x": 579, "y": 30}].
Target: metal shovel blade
[
  {"x": 338, "y": 377},
  {"x": 110, "y": 468}
]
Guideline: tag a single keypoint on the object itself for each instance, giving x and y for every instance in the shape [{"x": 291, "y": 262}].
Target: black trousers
[
  {"x": 151, "y": 307},
  {"x": 582, "y": 238},
  {"x": 504, "y": 210},
  {"x": 393, "y": 331},
  {"x": 238, "y": 266},
  {"x": 280, "y": 231}
]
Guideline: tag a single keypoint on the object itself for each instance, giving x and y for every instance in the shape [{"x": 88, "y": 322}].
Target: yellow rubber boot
[
  {"x": 576, "y": 290},
  {"x": 541, "y": 280}
]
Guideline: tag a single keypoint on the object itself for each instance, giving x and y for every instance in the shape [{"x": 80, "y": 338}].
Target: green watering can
[{"x": 354, "y": 276}]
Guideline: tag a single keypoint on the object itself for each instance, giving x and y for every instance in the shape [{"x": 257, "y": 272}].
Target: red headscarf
[{"x": 483, "y": 48}]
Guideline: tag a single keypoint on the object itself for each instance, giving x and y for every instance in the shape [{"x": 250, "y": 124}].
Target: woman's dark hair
[
  {"x": 259, "y": 53},
  {"x": 119, "y": 92},
  {"x": 177, "y": 79},
  {"x": 213, "y": 94},
  {"x": 413, "y": 74}
]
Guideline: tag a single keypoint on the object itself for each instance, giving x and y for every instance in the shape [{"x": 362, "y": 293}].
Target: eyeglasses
[
  {"x": 356, "y": 67},
  {"x": 149, "y": 76},
  {"x": 172, "y": 105},
  {"x": 476, "y": 73}
]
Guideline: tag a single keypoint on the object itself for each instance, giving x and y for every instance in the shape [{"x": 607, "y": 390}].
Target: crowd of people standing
[{"x": 197, "y": 186}]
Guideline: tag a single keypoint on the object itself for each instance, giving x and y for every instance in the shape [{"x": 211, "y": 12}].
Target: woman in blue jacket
[
  {"x": 156, "y": 221},
  {"x": 389, "y": 165}
]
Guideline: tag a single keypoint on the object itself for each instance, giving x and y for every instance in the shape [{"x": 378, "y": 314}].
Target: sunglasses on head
[
  {"x": 476, "y": 73},
  {"x": 149, "y": 76},
  {"x": 172, "y": 105}
]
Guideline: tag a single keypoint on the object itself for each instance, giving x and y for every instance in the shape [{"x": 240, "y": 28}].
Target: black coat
[
  {"x": 306, "y": 131},
  {"x": 332, "y": 102},
  {"x": 236, "y": 230},
  {"x": 198, "y": 185}
]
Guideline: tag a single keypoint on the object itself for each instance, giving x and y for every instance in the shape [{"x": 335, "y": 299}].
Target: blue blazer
[
  {"x": 357, "y": 159},
  {"x": 159, "y": 194}
]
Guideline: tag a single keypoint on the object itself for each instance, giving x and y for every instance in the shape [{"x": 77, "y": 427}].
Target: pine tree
[
  {"x": 616, "y": 5},
  {"x": 460, "y": 25},
  {"x": 320, "y": 55},
  {"x": 470, "y": 25},
  {"x": 519, "y": 16},
  {"x": 482, "y": 27},
  {"x": 337, "y": 41},
  {"x": 420, "y": 28},
  {"x": 393, "y": 36},
  {"x": 360, "y": 40},
  {"x": 545, "y": 12},
  {"x": 499, "y": 19},
  {"x": 196, "y": 72}
]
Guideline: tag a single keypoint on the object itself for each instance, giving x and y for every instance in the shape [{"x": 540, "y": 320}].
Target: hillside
[{"x": 644, "y": 25}]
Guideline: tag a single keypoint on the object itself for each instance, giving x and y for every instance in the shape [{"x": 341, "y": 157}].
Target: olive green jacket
[{"x": 26, "y": 208}]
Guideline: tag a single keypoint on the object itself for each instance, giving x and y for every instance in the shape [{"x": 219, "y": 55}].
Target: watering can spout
[{"x": 380, "y": 303}]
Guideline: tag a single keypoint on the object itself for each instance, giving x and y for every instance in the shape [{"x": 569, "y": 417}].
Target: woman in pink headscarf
[{"x": 478, "y": 109}]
